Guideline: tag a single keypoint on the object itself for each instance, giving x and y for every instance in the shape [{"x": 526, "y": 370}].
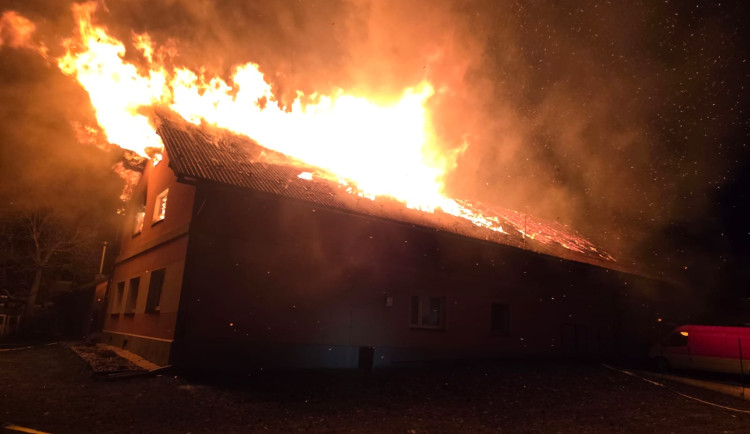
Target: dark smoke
[
  {"x": 41, "y": 160},
  {"x": 619, "y": 119},
  {"x": 611, "y": 118}
]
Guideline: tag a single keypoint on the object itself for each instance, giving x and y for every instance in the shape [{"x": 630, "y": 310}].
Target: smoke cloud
[{"x": 617, "y": 120}]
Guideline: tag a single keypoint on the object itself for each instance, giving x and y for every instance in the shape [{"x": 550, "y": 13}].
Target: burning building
[
  {"x": 233, "y": 255},
  {"x": 334, "y": 243}
]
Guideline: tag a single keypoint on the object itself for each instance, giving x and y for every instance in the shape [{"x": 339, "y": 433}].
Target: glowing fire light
[
  {"x": 378, "y": 149},
  {"x": 381, "y": 148},
  {"x": 16, "y": 32},
  {"x": 115, "y": 88},
  {"x": 369, "y": 148},
  {"x": 130, "y": 179}
]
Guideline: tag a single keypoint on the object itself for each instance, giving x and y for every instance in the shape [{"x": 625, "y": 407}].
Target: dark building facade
[{"x": 231, "y": 260}]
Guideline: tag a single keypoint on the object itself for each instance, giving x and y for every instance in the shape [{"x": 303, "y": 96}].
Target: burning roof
[
  {"x": 382, "y": 155},
  {"x": 222, "y": 157}
]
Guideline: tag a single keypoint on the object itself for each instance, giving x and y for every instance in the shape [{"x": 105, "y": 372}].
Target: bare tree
[{"x": 47, "y": 243}]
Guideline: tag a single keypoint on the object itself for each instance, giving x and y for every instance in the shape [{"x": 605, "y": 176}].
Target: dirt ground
[{"x": 50, "y": 388}]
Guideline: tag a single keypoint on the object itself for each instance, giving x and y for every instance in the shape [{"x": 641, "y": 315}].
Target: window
[
  {"x": 117, "y": 298},
  {"x": 132, "y": 295},
  {"x": 500, "y": 319},
  {"x": 160, "y": 208},
  {"x": 140, "y": 215},
  {"x": 155, "y": 286},
  {"x": 676, "y": 339},
  {"x": 428, "y": 312}
]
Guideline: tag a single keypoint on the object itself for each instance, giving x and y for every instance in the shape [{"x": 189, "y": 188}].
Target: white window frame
[{"x": 160, "y": 206}]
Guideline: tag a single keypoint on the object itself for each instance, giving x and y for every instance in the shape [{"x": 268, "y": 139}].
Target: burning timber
[{"x": 235, "y": 256}]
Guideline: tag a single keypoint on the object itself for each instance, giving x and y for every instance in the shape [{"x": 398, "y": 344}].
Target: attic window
[{"x": 160, "y": 207}]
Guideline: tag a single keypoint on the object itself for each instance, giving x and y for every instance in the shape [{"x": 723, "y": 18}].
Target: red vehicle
[{"x": 705, "y": 348}]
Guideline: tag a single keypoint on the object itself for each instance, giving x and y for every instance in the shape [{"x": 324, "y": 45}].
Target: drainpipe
[{"x": 104, "y": 254}]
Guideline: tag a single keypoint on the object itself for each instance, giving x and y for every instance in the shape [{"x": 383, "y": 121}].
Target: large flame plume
[
  {"x": 116, "y": 89},
  {"x": 372, "y": 144},
  {"x": 376, "y": 148}
]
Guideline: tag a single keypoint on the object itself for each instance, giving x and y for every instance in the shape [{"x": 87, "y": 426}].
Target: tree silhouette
[{"x": 45, "y": 244}]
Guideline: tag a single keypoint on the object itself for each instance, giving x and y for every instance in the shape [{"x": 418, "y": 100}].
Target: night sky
[{"x": 627, "y": 121}]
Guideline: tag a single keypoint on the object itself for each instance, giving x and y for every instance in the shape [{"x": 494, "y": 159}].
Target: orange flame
[
  {"x": 130, "y": 179},
  {"x": 379, "y": 149},
  {"x": 384, "y": 149},
  {"x": 116, "y": 89},
  {"x": 371, "y": 148},
  {"x": 16, "y": 32}
]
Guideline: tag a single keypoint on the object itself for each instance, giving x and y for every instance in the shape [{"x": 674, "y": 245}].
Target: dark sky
[{"x": 626, "y": 120}]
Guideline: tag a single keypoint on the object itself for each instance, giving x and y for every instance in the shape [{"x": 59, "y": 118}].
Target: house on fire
[{"x": 232, "y": 255}]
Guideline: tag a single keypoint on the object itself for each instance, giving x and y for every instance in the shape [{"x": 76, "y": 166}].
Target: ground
[{"x": 50, "y": 388}]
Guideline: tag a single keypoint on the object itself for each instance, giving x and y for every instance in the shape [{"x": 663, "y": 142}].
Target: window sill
[
  {"x": 130, "y": 314},
  {"x": 152, "y": 312},
  {"x": 157, "y": 222}
]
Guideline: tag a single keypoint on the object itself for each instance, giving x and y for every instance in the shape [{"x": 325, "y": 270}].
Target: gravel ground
[
  {"x": 50, "y": 388},
  {"x": 102, "y": 358}
]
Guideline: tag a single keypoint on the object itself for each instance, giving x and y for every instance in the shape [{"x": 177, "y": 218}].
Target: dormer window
[{"x": 160, "y": 207}]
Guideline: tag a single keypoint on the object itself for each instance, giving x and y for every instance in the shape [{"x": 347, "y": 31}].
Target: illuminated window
[
  {"x": 140, "y": 214},
  {"x": 160, "y": 208},
  {"x": 428, "y": 312},
  {"x": 500, "y": 319},
  {"x": 138, "y": 225},
  {"x": 155, "y": 285},
  {"x": 132, "y": 295}
]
